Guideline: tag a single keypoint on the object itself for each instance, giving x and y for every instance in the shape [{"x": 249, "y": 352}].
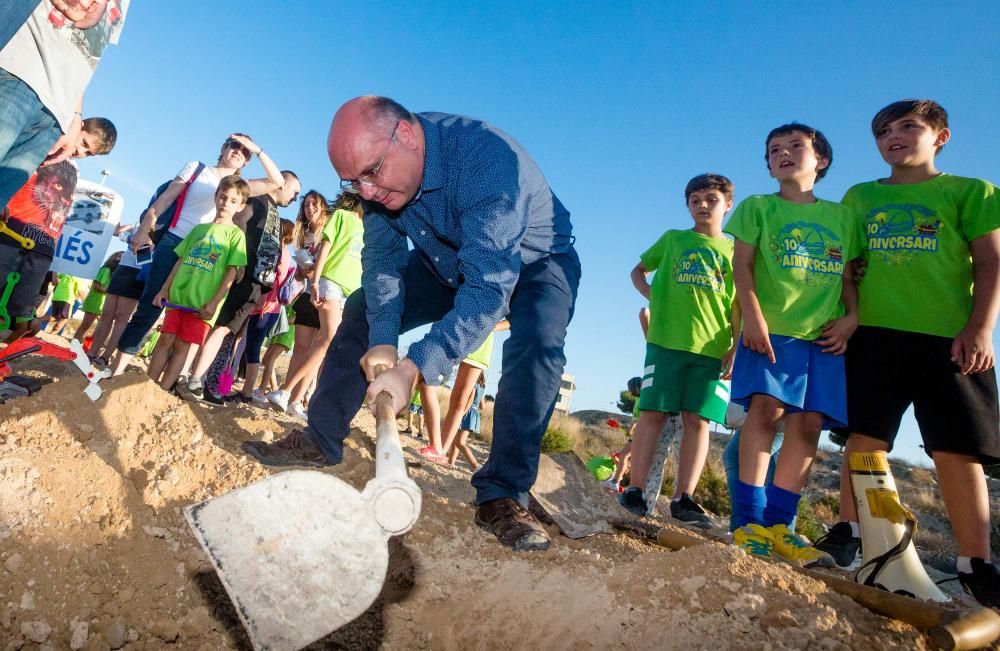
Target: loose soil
[{"x": 95, "y": 553}]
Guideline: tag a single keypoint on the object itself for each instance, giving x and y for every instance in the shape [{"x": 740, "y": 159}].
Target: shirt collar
[{"x": 433, "y": 165}]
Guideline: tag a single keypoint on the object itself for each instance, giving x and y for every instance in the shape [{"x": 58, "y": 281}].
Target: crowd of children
[
  {"x": 801, "y": 313},
  {"x": 829, "y": 315}
]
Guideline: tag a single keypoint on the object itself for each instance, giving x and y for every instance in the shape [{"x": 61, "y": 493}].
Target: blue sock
[
  {"x": 748, "y": 504},
  {"x": 782, "y": 506}
]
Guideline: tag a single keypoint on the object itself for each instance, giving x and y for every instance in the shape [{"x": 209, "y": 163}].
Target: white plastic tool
[{"x": 302, "y": 552}]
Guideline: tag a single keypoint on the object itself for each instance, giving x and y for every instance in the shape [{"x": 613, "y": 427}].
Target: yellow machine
[{"x": 887, "y": 529}]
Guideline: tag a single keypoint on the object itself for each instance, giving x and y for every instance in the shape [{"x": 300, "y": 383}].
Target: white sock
[
  {"x": 855, "y": 529},
  {"x": 195, "y": 383},
  {"x": 964, "y": 564}
]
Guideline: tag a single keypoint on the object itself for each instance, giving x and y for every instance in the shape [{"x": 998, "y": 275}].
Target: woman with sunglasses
[{"x": 198, "y": 207}]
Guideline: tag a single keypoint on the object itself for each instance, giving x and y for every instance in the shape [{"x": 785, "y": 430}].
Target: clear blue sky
[{"x": 619, "y": 103}]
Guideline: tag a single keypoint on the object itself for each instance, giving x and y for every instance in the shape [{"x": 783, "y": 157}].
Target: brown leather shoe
[
  {"x": 512, "y": 524},
  {"x": 296, "y": 449}
]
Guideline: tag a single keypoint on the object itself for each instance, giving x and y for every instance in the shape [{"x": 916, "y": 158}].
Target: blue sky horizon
[{"x": 619, "y": 103}]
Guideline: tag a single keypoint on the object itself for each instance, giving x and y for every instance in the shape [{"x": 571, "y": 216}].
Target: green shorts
[{"x": 675, "y": 380}]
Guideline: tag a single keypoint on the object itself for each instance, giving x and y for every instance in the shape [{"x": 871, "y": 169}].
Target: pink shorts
[{"x": 187, "y": 326}]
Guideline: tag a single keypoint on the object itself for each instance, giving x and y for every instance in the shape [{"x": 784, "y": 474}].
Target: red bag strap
[{"x": 179, "y": 202}]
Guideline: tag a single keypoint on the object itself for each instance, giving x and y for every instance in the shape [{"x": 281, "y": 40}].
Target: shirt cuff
[{"x": 432, "y": 361}]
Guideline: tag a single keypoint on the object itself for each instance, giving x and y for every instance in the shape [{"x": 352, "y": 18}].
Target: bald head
[{"x": 370, "y": 130}]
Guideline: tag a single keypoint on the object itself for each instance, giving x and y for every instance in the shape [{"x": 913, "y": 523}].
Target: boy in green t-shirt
[
  {"x": 64, "y": 296},
  {"x": 928, "y": 306},
  {"x": 799, "y": 308},
  {"x": 207, "y": 262},
  {"x": 689, "y": 342}
]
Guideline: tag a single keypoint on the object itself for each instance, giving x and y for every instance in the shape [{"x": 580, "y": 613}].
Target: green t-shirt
[
  {"x": 692, "y": 293},
  {"x": 919, "y": 276},
  {"x": 345, "y": 233},
  {"x": 482, "y": 356},
  {"x": 801, "y": 252},
  {"x": 65, "y": 291},
  {"x": 94, "y": 302},
  {"x": 205, "y": 254}
]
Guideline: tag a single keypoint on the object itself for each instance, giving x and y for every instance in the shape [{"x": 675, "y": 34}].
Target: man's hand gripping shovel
[{"x": 303, "y": 553}]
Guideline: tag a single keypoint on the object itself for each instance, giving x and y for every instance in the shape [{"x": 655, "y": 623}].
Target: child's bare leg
[
  {"x": 693, "y": 453},
  {"x": 161, "y": 352},
  {"x": 757, "y": 436},
  {"x": 463, "y": 443},
  {"x": 206, "y": 352},
  {"x": 647, "y": 434},
  {"x": 304, "y": 336},
  {"x": 176, "y": 364},
  {"x": 268, "y": 381},
  {"x": 126, "y": 306},
  {"x": 798, "y": 450},
  {"x": 963, "y": 486},
  {"x": 624, "y": 455},
  {"x": 432, "y": 415},
  {"x": 465, "y": 385},
  {"x": 250, "y": 379},
  {"x": 330, "y": 316},
  {"x": 855, "y": 443},
  {"x": 88, "y": 320}
]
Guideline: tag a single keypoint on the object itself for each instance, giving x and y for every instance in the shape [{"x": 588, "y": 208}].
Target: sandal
[{"x": 433, "y": 455}]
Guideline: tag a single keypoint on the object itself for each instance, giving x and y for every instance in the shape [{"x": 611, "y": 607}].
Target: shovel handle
[{"x": 389, "y": 463}]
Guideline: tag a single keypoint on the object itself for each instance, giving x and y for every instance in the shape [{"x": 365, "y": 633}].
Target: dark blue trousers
[
  {"x": 146, "y": 314},
  {"x": 540, "y": 310}
]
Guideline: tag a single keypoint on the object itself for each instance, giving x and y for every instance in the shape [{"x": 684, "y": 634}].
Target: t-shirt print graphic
[
  {"x": 811, "y": 248},
  {"x": 205, "y": 256},
  {"x": 39, "y": 209},
  {"x": 93, "y": 41}
]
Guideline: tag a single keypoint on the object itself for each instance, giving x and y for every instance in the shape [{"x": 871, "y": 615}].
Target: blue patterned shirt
[{"x": 483, "y": 209}]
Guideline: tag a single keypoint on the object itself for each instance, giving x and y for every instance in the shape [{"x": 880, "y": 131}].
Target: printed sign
[{"x": 88, "y": 232}]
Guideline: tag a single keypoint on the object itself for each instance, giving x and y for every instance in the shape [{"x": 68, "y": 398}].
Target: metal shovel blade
[{"x": 299, "y": 554}]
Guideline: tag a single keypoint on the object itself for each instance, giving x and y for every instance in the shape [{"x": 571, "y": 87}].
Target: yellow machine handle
[{"x": 25, "y": 242}]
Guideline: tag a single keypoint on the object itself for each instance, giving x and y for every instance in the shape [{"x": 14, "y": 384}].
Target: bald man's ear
[{"x": 406, "y": 135}]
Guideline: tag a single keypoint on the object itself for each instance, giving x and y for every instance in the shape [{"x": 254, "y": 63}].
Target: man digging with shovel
[{"x": 490, "y": 240}]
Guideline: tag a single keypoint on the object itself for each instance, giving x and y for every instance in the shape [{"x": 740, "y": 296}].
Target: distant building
[{"x": 567, "y": 385}]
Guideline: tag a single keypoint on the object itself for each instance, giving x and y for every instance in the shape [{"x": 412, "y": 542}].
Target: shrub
[
  {"x": 807, "y": 523},
  {"x": 712, "y": 489},
  {"x": 555, "y": 440}
]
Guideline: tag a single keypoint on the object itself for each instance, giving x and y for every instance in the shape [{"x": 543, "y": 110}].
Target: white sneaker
[
  {"x": 279, "y": 400},
  {"x": 611, "y": 485},
  {"x": 296, "y": 409}
]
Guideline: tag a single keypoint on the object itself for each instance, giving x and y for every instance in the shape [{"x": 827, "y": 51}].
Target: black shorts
[
  {"x": 306, "y": 313},
  {"x": 888, "y": 370},
  {"x": 239, "y": 304},
  {"x": 33, "y": 268},
  {"x": 60, "y": 310},
  {"x": 125, "y": 283}
]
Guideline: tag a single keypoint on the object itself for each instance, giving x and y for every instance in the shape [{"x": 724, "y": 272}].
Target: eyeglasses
[
  {"x": 233, "y": 144},
  {"x": 370, "y": 178}
]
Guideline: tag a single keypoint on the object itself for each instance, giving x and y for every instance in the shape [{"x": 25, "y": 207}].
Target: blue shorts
[{"x": 803, "y": 377}]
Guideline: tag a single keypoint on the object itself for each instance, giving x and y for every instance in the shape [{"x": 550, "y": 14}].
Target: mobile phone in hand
[{"x": 144, "y": 256}]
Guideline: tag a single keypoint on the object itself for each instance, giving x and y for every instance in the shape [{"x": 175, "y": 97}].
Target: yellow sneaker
[
  {"x": 794, "y": 550},
  {"x": 754, "y": 540}
]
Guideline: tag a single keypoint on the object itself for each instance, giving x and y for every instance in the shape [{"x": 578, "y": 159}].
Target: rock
[
  {"x": 267, "y": 436},
  {"x": 196, "y": 622},
  {"x": 28, "y": 601},
  {"x": 778, "y": 619},
  {"x": 115, "y": 633},
  {"x": 693, "y": 584},
  {"x": 36, "y": 631},
  {"x": 97, "y": 643},
  {"x": 79, "y": 632},
  {"x": 14, "y": 563},
  {"x": 165, "y": 629},
  {"x": 156, "y": 532},
  {"x": 13, "y": 645},
  {"x": 5, "y": 617}
]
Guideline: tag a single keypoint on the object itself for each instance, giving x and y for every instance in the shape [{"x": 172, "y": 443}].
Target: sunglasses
[{"x": 232, "y": 144}]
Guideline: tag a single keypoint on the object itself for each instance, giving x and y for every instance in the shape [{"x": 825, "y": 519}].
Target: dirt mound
[{"x": 95, "y": 554}]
